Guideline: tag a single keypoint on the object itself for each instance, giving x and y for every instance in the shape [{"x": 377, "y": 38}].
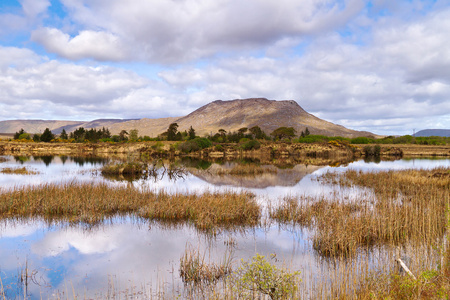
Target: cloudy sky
[{"x": 379, "y": 65}]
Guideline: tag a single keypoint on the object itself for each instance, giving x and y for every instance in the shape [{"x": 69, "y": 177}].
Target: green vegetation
[
  {"x": 283, "y": 133},
  {"x": 260, "y": 276},
  {"x": 92, "y": 135},
  {"x": 194, "y": 145},
  {"x": 250, "y": 145}
]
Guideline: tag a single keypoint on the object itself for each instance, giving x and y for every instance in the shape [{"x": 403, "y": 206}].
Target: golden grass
[
  {"x": 18, "y": 171},
  {"x": 195, "y": 270},
  {"x": 247, "y": 170},
  {"x": 409, "y": 207},
  {"x": 92, "y": 202},
  {"x": 131, "y": 168}
]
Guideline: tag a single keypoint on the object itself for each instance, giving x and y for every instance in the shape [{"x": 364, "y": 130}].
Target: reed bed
[
  {"x": 409, "y": 206},
  {"x": 90, "y": 203},
  {"x": 195, "y": 270},
  {"x": 129, "y": 168},
  {"x": 247, "y": 170},
  {"x": 18, "y": 171}
]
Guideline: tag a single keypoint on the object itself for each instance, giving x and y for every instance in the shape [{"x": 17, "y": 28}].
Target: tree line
[{"x": 94, "y": 135}]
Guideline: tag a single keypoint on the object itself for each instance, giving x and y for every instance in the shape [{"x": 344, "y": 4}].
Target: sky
[{"x": 381, "y": 65}]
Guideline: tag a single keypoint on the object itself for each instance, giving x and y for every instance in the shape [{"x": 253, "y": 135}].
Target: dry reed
[
  {"x": 92, "y": 202},
  {"x": 409, "y": 206},
  {"x": 18, "y": 171},
  {"x": 195, "y": 270}
]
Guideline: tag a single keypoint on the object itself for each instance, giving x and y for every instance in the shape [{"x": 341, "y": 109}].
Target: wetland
[{"x": 82, "y": 227}]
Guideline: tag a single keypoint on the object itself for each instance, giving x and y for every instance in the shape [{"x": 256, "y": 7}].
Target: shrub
[
  {"x": 361, "y": 140},
  {"x": 313, "y": 139},
  {"x": 194, "y": 145},
  {"x": 252, "y": 144},
  {"x": 261, "y": 276}
]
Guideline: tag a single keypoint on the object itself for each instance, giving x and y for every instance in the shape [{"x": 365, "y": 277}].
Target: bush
[
  {"x": 361, "y": 140},
  {"x": 194, "y": 145},
  {"x": 252, "y": 144},
  {"x": 259, "y": 275},
  {"x": 374, "y": 151},
  {"x": 313, "y": 139}
]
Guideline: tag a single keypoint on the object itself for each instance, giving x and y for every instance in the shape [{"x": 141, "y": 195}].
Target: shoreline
[{"x": 267, "y": 151}]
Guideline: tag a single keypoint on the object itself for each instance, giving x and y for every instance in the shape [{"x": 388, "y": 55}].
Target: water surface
[{"x": 128, "y": 254}]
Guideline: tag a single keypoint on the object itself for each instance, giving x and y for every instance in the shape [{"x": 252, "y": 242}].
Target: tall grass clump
[
  {"x": 18, "y": 171},
  {"x": 246, "y": 170},
  {"x": 408, "y": 206},
  {"x": 194, "y": 269},
  {"x": 129, "y": 168},
  {"x": 81, "y": 202}
]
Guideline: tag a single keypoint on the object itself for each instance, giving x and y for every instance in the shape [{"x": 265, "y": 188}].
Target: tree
[
  {"x": 63, "y": 135},
  {"x": 78, "y": 135},
  {"x": 47, "y": 136},
  {"x": 172, "y": 132},
  {"x": 25, "y": 136},
  {"x": 283, "y": 132},
  {"x": 134, "y": 134},
  {"x": 222, "y": 132},
  {"x": 257, "y": 132},
  {"x": 123, "y": 135},
  {"x": 307, "y": 131},
  {"x": 17, "y": 134},
  {"x": 191, "y": 133}
]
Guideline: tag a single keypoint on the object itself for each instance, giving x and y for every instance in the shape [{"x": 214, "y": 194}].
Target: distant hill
[
  {"x": 38, "y": 126},
  {"x": 229, "y": 115},
  {"x": 433, "y": 132},
  {"x": 234, "y": 114}
]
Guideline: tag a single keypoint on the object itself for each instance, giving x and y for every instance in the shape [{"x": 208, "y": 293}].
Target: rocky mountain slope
[{"x": 228, "y": 115}]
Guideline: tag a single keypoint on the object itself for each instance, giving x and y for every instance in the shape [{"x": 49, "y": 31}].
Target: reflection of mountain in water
[{"x": 270, "y": 175}]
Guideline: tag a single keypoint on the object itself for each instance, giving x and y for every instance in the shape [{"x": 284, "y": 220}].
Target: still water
[{"x": 128, "y": 255}]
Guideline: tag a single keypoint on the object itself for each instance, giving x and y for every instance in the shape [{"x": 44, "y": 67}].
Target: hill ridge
[{"x": 229, "y": 115}]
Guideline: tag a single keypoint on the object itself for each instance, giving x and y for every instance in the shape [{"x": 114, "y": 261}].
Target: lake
[{"x": 127, "y": 256}]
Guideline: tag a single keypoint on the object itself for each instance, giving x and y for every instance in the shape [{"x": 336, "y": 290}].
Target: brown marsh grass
[
  {"x": 247, "y": 170},
  {"x": 409, "y": 206},
  {"x": 195, "y": 270},
  {"x": 18, "y": 171},
  {"x": 90, "y": 203}
]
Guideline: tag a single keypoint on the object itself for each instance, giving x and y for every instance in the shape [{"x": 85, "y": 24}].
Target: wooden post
[{"x": 403, "y": 265}]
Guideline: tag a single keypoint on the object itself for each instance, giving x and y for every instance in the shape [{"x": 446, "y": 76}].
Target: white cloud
[
  {"x": 33, "y": 8},
  {"x": 100, "y": 46},
  {"x": 177, "y": 31}
]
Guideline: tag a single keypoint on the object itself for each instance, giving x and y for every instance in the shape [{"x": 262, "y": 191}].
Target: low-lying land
[{"x": 267, "y": 150}]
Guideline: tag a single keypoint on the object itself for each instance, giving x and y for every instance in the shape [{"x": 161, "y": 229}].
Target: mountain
[
  {"x": 38, "y": 126},
  {"x": 433, "y": 132},
  {"x": 229, "y": 115}
]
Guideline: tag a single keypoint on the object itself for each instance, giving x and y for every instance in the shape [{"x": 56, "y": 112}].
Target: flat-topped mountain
[
  {"x": 267, "y": 114},
  {"x": 208, "y": 119}
]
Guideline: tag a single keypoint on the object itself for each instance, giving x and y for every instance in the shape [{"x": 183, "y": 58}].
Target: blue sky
[{"x": 381, "y": 66}]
